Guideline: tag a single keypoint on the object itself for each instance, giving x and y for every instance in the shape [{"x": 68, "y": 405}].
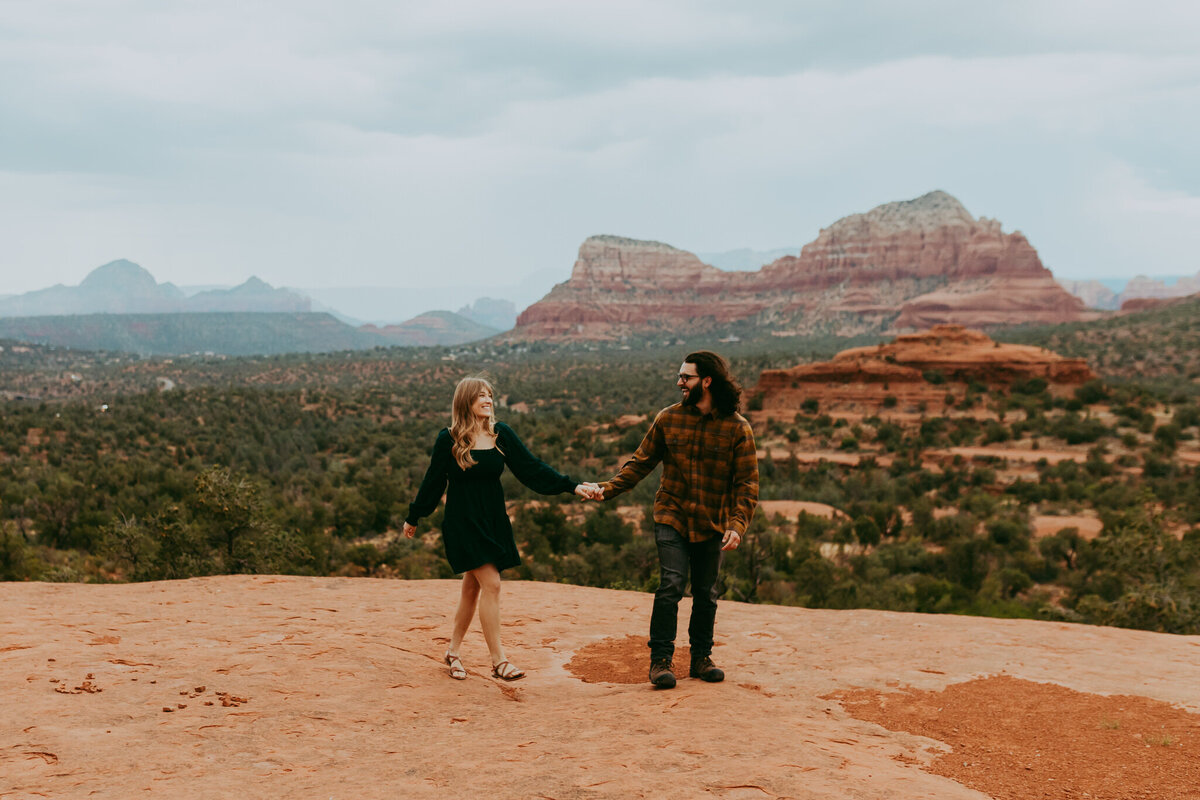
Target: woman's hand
[
  {"x": 409, "y": 530},
  {"x": 589, "y": 491}
]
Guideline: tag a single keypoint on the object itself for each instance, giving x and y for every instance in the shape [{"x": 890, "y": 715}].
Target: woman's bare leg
[
  {"x": 488, "y": 581},
  {"x": 466, "y": 611}
]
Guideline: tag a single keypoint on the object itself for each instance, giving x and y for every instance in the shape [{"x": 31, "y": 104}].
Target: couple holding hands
[{"x": 705, "y": 500}]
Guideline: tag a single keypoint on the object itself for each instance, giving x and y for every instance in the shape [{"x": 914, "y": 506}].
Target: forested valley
[{"x": 120, "y": 469}]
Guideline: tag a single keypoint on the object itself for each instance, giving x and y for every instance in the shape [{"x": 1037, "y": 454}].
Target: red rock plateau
[
  {"x": 1138, "y": 304},
  {"x": 865, "y": 376},
  {"x": 902, "y": 266},
  {"x": 299, "y": 687}
]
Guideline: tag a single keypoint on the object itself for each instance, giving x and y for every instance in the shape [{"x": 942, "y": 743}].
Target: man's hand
[
  {"x": 589, "y": 491},
  {"x": 409, "y": 530},
  {"x": 731, "y": 540}
]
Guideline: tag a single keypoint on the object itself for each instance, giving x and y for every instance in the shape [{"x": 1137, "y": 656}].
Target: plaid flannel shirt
[{"x": 710, "y": 471}]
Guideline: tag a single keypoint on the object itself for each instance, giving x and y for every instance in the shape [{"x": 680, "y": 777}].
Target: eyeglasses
[{"x": 686, "y": 378}]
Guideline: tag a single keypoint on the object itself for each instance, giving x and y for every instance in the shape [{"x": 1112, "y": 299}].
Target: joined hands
[{"x": 589, "y": 491}]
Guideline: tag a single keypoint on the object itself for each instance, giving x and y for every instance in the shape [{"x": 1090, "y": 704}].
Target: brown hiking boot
[
  {"x": 660, "y": 673},
  {"x": 706, "y": 670}
]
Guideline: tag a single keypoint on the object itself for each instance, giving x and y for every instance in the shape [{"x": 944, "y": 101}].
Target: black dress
[{"x": 477, "y": 530}]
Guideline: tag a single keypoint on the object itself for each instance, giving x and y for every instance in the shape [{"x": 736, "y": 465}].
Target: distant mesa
[
  {"x": 918, "y": 369},
  {"x": 224, "y": 333},
  {"x": 1137, "y": 304},
  {"x": 1141, "y": 288},
  {"x": 499, "y": 315},
  {"x": 432, "y": 328},
  {"x": 907, "y": 265},
  {"x": 1094, "y": 294}
]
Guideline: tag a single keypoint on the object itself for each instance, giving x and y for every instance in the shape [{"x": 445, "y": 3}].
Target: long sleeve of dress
[
  {"x": 529, "y": 469},
  {"x": 434, "y": 484}
]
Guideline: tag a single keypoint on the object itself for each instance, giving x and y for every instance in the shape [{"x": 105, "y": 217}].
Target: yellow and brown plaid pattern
[{"x": 710, "y": 471}]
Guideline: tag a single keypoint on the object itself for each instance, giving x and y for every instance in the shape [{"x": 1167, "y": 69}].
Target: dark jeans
[{"x": 676, "y": 557}]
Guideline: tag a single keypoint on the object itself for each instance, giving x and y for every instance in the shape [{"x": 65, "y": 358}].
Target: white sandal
[{"x": 457, "y": 671}]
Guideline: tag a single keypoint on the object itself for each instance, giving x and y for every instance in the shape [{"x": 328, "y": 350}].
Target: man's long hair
[{"x": 725, "y": 390}]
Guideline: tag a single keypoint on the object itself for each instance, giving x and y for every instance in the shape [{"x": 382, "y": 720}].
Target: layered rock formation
[
  {"x": 918, "y": 368},
  {"x": 623, "y": 285},
  {"x": 1136, "y": 304},
  {"x": 903, "y": 266}
]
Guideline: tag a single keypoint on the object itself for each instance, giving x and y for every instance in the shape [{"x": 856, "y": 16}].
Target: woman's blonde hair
[{"x": 464, "y": 424}]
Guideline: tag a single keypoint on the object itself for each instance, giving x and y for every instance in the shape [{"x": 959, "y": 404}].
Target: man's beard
[{"x": 693, "y": 395}]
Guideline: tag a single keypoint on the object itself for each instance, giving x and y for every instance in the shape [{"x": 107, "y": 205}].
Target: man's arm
[
  {"x": 745, "y": 482},
  {"x": 641, "y": 464}
]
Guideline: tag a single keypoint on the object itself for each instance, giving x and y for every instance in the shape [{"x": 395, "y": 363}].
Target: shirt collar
[{"x": 695, "y": 412}]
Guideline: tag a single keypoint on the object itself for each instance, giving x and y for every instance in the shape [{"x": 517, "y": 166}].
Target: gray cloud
[{"x": 385, "y": 143}]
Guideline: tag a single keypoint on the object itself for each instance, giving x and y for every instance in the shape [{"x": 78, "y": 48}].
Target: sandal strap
[
  {"x": 455, "y": 664},
  {"x": 505, "y": 669}
]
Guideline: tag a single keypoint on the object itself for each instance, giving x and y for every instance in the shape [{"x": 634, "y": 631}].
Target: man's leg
[
  {"x": 705, "y": 558},
  {"x": 673, "y": 573}
]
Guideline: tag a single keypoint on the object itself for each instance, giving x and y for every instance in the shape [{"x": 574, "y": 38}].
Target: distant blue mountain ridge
[
  {"x": 121, "y": 307},
  {"x": 123, "y": 287}
]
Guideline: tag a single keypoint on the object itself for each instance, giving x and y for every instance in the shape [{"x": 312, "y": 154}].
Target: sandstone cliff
[
  {"x": 621, "y": 285},
  {"x": 903, "y": 266},
  {"x": 918, "y": 368}
]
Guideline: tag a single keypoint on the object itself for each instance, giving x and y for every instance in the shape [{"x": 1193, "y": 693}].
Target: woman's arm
[
  {"x": 529, "y": 469},
  {"x": 434, "y": 484}
]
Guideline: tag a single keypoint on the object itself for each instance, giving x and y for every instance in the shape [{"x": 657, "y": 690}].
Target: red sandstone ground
[{"x": 334, "y": 687}]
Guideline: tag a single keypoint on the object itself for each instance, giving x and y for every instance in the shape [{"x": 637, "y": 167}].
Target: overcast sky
[{"x": 462, "y": 144}]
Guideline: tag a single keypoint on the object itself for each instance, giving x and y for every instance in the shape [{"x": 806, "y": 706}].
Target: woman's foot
[
  {"x": 457, "y": 671},
  {"x": 505, "y": 671}
]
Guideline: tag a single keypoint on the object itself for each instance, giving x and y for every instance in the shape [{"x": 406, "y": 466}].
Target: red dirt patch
[
  {"x": 1025, "y": 455},
  {"x": 1089, "y": 527},
  {"x": 791, "y": 509},
  {"x": 620, "y": 660},
  {"x": 1017, "y": 740}
]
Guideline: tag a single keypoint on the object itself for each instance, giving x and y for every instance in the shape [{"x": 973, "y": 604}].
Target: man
[{"x": 704, "y": 503}]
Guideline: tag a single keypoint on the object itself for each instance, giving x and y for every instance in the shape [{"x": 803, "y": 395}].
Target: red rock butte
[
  {"x": 902, "y": 266},
  {"x": 951, "y": 355}
]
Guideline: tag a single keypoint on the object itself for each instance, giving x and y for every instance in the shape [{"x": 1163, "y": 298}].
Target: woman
[{"x": 470, "y": 457}]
